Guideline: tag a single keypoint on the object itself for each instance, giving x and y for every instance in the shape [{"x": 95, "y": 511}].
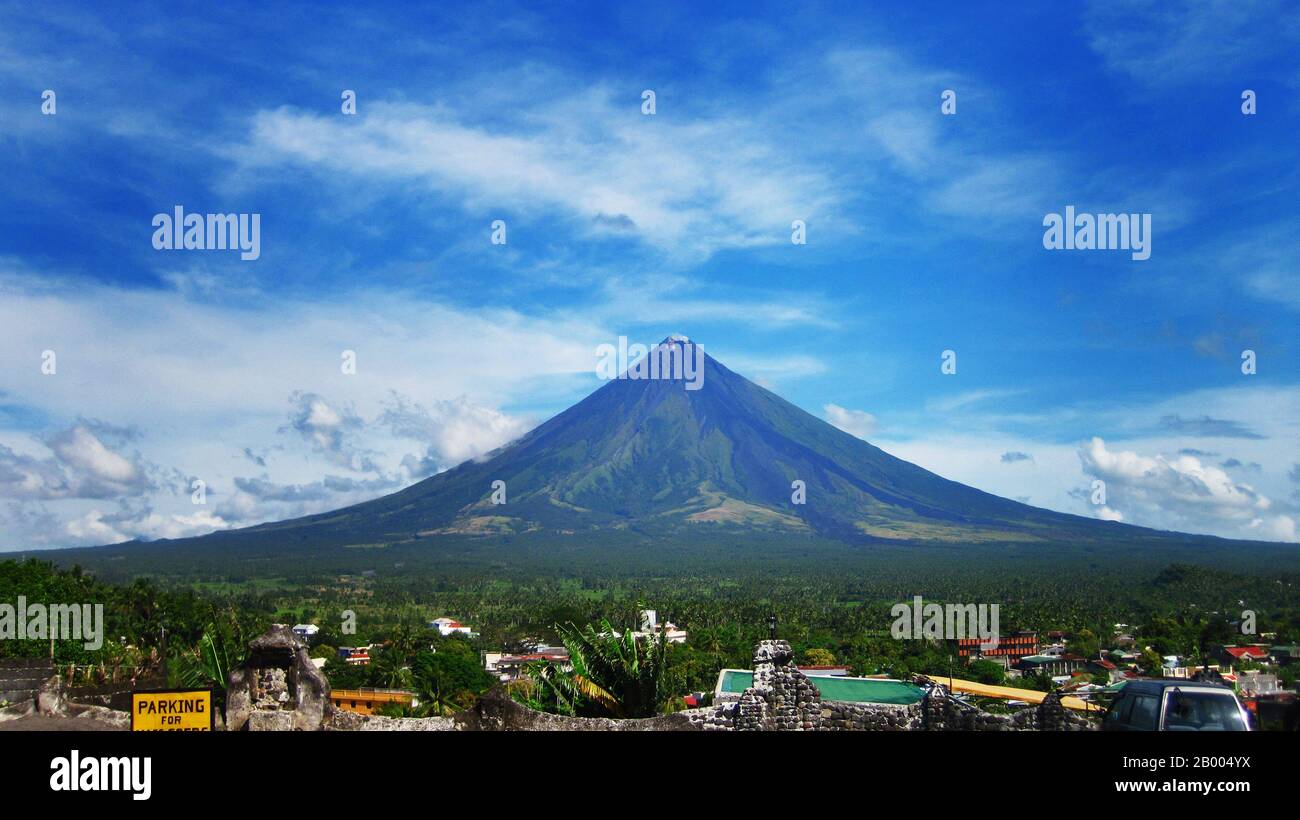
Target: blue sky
[{"x": 924, "y": 235}]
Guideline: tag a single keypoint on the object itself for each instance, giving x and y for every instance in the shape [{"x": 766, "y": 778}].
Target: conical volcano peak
[
  {"x": 643, "y": 455},
  {"x": 676, "y": 358}
]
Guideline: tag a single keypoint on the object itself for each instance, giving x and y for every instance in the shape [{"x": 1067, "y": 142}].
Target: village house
[
  {"x": 355, "y": 655},
  {"x": 1257, "y": 652},
  {"x": 367, "y": 701},
  {"x": 650, "y": 626},
  {"x": 507, "y": 667},
  {"x": 1051, "y": 665},
  {"x": 448, "y": 626}
]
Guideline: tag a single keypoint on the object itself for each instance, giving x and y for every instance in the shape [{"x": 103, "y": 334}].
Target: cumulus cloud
[
  {"x": 81, "y": 464},
  {"x": 1276, "y": 528},
  {"x": 139, "y": 521},
  {"x": 453, "y": 431},
  {"x": 331, "y": 430},
  {"x": 1179, "y": 493},
  {"x": 449, "y": 432},
  {"x": 854, "y": 422},
  {"x": 1105, "y": 513},
  {"x": 1012, "y": 456}
]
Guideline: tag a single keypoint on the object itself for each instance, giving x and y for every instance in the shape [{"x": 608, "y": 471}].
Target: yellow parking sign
[{"x": 174, "y": 710}]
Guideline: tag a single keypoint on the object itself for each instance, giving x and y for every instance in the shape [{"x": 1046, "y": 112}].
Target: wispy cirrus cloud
[
  {"x": 1164, "y": 44},
  {"x": 1207, "y": 427},
  {"x": 700, "y": 187}
]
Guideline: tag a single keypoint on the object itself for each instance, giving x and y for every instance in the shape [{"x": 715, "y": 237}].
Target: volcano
[{"x": 678, "y": 458}]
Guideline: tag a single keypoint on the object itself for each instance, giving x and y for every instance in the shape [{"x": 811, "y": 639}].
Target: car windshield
[{"x": 1202, "y": 712}]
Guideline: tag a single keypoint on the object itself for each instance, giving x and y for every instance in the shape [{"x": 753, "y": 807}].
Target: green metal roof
[{"x": 852, "y": 690}]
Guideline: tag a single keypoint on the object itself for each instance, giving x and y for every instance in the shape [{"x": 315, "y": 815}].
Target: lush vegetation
[
  {"x": 832, "y": 605},
  {"x": 609, "y": 674}
]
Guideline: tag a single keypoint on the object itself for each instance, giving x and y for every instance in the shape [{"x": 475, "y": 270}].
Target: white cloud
[
  {"x": 1277, "y": 528},
  {"x": 331, "y": 431},
  {"x": 717, "y": 182},
  {"x": 768, "y": 370},
  {"x": 80, "y": 465},
  {"x": 1182, "y": 490},
  {"x": 97, "y": 527},
  {"x": 961, "y": 401},
  {"x": 1105, "y": 513},
  {"x": 81, "y": 449},
  {"x": 854, "y": 422},
  {"x": 1191, "y": 496},
  {"x": 1162, "y": 44},
  {"x": 454, "y": 431}
]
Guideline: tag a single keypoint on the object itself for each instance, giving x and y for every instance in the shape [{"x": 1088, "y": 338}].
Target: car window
[
  {"x": 1119, "y": 710},
  {"x": 1202, "y": 712},
  {"x": 1146, "y": 712}
]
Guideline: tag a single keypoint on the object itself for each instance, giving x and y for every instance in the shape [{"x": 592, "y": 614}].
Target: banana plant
[{"x": 608, "y": 674}]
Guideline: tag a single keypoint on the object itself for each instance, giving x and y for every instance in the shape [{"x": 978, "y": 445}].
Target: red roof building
[
  {"x": 1014, "y": 646},
  {"x": 1254, "y": 652}
]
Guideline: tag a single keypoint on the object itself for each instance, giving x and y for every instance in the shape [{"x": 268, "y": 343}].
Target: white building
[
  {"x": 306, "y": 631},
  {"x": 448, "y": 626},
  {"x": 650, "y": 627}
]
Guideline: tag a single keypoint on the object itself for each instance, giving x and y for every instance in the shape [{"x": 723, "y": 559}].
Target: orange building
[
  {"x": 367, "y": 701},
  {"x": 1014, "y": 646}
]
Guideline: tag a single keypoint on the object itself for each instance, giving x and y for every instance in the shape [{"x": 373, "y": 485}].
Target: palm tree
[
  {"x": 608, "y": 674},
  {"x": 390, "y": 670}
]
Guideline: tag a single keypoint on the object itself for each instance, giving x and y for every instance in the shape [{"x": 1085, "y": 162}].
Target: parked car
[{"x": 1176, "y": 706}]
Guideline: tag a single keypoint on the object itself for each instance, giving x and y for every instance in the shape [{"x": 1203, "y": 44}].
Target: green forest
[{"x": 191, "y": 627}]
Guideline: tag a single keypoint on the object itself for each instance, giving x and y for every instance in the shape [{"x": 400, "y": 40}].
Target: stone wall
[{"x": 838, "y": 716}]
